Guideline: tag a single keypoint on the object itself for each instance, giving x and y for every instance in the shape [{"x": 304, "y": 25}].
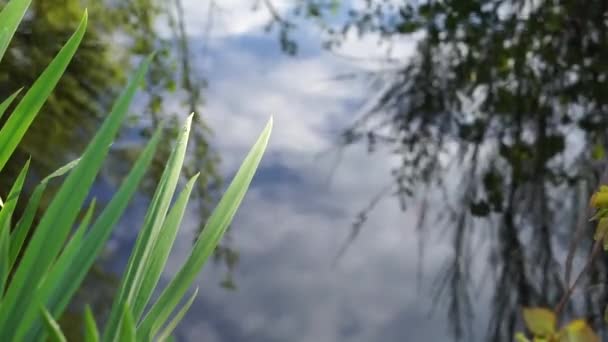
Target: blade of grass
[
  {"x": 69, "y": 276},
  {"x": 163, "y": 246},
  {"x": 27, "y": 109},
  {"x": 127, "y": 326},
  {"x": 91, "y": 333},
  {"x": 139, "y": 259},
  {"x": 208, "y": 240},
  {"x": 22, "y": 227},
  {"x": 76, "y": 239},
  {"x": 6, "y": 214},
  {"x": 10, "y": 17},
  {"x": 4, "y": 251},
  {"x": 52, "y": 328},
  {"x": 6, "y": 103},
  {"x": 57, "y": 220},
  {"x": 166, "y": 333},
  {"x": 57, "y": 271},
  {"x": 59, "y": 293},
  {"x": 70, "y": 250}
]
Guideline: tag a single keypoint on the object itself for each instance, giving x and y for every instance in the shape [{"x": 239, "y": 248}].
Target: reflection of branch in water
[
  {"x": 456, "y": 274},
  {"x": 361, "y": 219},
  {"x": 193, "y": 89},
  {"x": 597, "y": 248},
  {"x": 204, "y": 52},
  {"x": 421, "y": 238},
  {"x": 339, "y": 152},
  {"x": 579, "y": 234},
  {"x": 521, "y": 113},
  {"x": 275, "y": 13}
]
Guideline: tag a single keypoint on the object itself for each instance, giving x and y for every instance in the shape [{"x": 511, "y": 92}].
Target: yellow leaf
[
  {"x": 599, "y": 199},
  {"x": 578, "y": 331},
  {"x": 520, "y": 337},
  {"x": 600, "y": 230},
  {"x": 606, "y": 241},
  {"x": 541, "y": 322}
]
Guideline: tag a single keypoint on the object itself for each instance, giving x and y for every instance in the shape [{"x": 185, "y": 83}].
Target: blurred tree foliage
[
  {"x": 120, "y": 33},
  {"x": 514, "y": 95}
]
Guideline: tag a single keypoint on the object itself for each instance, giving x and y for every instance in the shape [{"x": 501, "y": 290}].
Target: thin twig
[{"x": 597, "y": 247}]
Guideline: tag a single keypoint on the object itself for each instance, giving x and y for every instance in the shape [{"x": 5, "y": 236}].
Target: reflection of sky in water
[{"x": 296, "y": 217}]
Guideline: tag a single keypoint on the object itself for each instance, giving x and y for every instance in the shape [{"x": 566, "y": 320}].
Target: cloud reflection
[{"x": 296, "y": 217}]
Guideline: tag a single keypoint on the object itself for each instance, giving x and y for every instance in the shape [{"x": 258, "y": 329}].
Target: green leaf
[
  {"x": 4, "y": 262},
  {"x": 57, "y": 272},
  {"x": 598, "y": 152},
  {"x": 212, "y": 233},
  {"x": 57, "y": 220},
  {"x": 161, "y": 250},
  {"x": 76, "y": 239},
  {"x": 52, "y": 328},
  {"x": 59, "y": 293},
  {"x": 4, "y": 105},
  {"x": 6, "y": 215},
  {"x": 10, "y": 17},
  {"x": 91, "y": 333},
  {"x": 155, "y": 216},
  {"x": 24, "y": 224},
  {"x": 127, "y": 326},
  {"x": 166, "y": 333},
  {"x": 27, "y": 109}
]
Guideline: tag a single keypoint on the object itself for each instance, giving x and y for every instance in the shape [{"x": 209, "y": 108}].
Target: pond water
[
  {"x": 301, "y": 206},
  {"x": 321, "y": 249}
]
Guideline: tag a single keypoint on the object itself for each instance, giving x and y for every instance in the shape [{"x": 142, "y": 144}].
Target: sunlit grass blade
[
  {"x": 127, "y": 326},
  {"x": 24, "y": 224},
  {"x": 58, "y": 218},
  {"x": 163, "y": 246},
  {"x": 212, "y": 233},
  {"x": 27, "y": 109},
  {"x": 6, "y": 103},
  {"x": 6, "y": 215},
  {"x": 59, "y": 293},
  {"x": 155, "y": 216},
  {"x": 52, "y": 328},
  {"x": 10, "y": 17},
  {"x": 166, "y": 333},
  {"x": 91, "y": 333}
]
